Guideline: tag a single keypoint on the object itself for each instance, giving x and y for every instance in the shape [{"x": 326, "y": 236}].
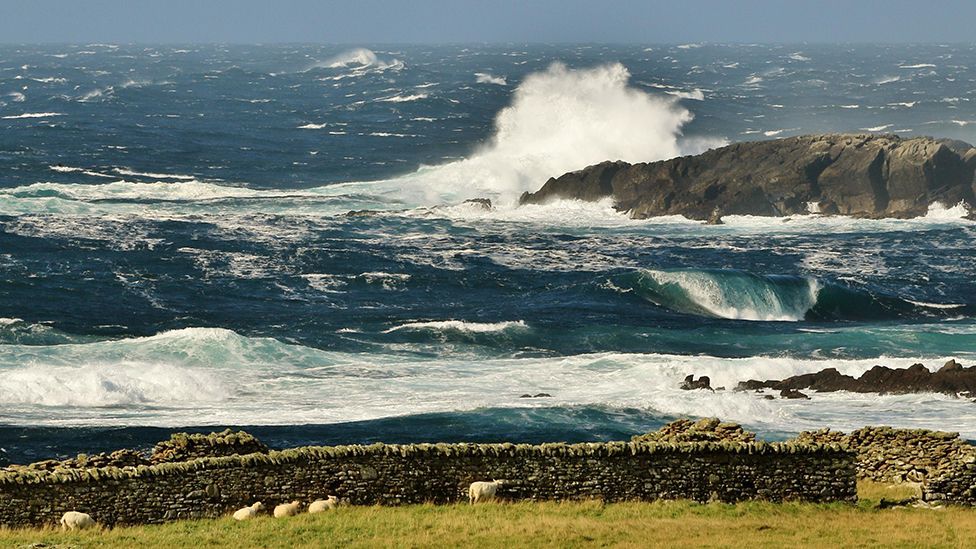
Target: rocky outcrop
[
  {"x": 184, "y": 447},
  {"x": 951, "y": 379},
  {"x": 863, "y": 175},
  {"x": 709, "y": 429},
  {"x": 690, "y": 383}
]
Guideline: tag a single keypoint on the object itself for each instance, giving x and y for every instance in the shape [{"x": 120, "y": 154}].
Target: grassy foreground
[{"x": 565, "y": 524}]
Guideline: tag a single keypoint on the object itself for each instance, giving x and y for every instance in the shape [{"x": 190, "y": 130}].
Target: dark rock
[
  {"x": 792, "y": 394},
  {"x": 715, "y": 218},
  {"x": 886, "y": 503},
  {"x": 690, "y": 383},
  {"x": 863, "y": 175},
  {"x": 526, "y": 395},
  {"x": 951, "y": 366},
  {"x": 952, "y": 378},
  {"x": 769, "y": 397},
  {"x": 362, "y": 213},
  {"x": 483, "y": 203},
  {"x": 542, "y": 395}
]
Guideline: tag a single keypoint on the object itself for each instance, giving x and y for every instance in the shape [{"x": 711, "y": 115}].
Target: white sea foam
[
  {"x": 939, "y": 211},
  {"x": 312, "y": 126},
  {"x": 95, "y": 94},
  {"x": 460, "y": 326},
  {"x": 127, "y": 171},
  {"x": 175, "y": 378},
  {"x": 486, "y": 78},
  {"x": 559, "y": 120},
  {"x": 360, "y": 60},
  {"x": 917, "y": 66},
  {"x": 50, "y": 80},
  {"x": 403, "y": 98},
  {"x": 115, "y": 384},
  {"x": 887, "y": 80},
  {"x": 358, "y": 56},
  {"x": 694, "y": 95},
  {"x": 32, "y": 115},
  {"x": 179, "y": 190},
  {"x": 878, "y": 128}
]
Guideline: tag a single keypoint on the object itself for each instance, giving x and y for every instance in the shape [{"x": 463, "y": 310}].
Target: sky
[{"x": 471, "y": 21}]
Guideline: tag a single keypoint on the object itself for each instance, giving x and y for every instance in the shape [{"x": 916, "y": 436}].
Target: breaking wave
[
  {"x": 742, "y": 295},
  {"x": 358, "y": 59},
  {"x": 559, "y": 120},
  {"x": 461, "y": 326}
]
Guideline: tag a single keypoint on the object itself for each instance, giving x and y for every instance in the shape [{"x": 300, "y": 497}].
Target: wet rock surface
[
  {"x": 952, "y": 378},
  {"x": 862, "y": 175}
]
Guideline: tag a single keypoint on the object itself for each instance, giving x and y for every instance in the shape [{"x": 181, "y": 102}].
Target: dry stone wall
[
  {"x": 885, "y": 454},
  {"x": 439, "y": 473}
]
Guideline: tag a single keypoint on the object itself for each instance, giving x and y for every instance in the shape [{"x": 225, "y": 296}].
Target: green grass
[{"x": 565, "y": 524}]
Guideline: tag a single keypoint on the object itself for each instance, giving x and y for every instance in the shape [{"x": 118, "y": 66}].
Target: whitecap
[
  {"x": 32, "y": 115},
  {"x": 460, "y": 326},
  {"x": 487, "y": 78},
  {"x": 403, "y": 98}
]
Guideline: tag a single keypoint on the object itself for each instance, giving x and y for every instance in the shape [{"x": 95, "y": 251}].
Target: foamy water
[{"x": 277, "y": 235}]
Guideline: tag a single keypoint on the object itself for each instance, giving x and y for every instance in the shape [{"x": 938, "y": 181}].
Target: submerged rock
[
  {"x": 483, "y": 203},
  {"x": 862, "y": 175},
  {"x": 792, "y": 394}
]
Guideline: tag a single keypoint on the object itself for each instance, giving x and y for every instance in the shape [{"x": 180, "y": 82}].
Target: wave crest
[
  {"x": 730, "y": 294},
  {"x": 740, "y": 295}
]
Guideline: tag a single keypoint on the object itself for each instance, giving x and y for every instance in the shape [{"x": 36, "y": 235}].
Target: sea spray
[{"x": 559, "y": 120}]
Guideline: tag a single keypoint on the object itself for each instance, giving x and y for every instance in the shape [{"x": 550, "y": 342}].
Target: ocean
[{"x": 275, "y": 237}]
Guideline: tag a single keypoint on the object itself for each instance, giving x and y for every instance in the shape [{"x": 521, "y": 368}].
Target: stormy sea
[{"x": 278, "y": 238}]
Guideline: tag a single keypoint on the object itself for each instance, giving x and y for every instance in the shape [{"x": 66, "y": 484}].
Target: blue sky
[{"x": 437, "y": 21}]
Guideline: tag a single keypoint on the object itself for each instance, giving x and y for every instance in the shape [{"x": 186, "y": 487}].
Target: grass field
[{"x": 566, "y": 524}]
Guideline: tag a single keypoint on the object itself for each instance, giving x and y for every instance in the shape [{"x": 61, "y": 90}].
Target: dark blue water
[{"x": 177, "y": 249}]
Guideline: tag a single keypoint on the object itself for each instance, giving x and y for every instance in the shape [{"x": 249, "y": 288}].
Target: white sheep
[
  {"x": 287, "y": 509},
  {"x": 483, "y": 491},
  {"x": 322, "y": 505},
  {"x": 73, "y": 520},
  {"x": 249, "y": 512}
]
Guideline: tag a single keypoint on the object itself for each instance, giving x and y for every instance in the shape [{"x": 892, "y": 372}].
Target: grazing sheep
[
  {"x": 73, "y": 520},
  {"x": 249, "y": 512},
  {"x": 321, "y": 505},
  {"x": 287, "y": 509},
  {"x": 483, "y": 491}
]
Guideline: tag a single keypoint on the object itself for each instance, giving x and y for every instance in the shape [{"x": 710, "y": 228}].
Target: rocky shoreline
[
  {"x": 860, "y": 175},
  {"x": 951, "y": 379}
]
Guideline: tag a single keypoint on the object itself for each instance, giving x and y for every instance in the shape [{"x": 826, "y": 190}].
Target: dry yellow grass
[{"x": 567, "y": 524}]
